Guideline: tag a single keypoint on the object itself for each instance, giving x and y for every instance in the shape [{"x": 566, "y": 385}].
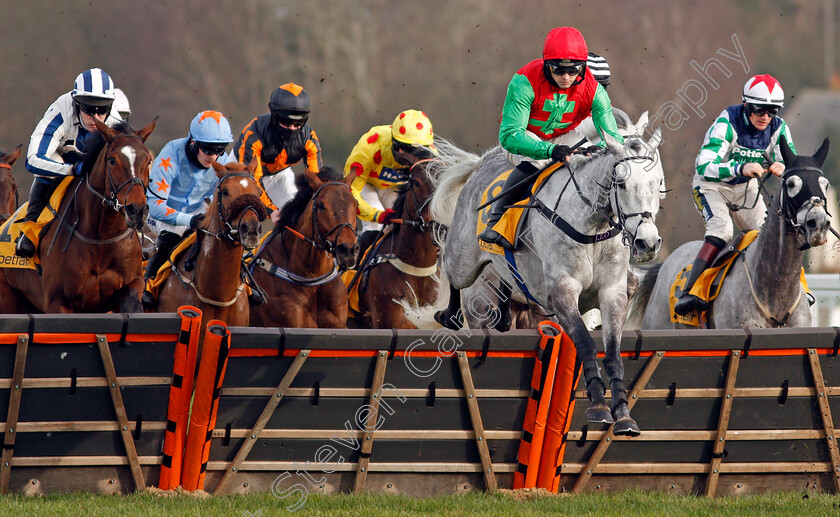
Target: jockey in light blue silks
[
  {"x": 56, "y": 146},
  {"x": 180, "y": 178},
  {"x": 546, "y": 100},
  {"x": 731, "y": 157}
]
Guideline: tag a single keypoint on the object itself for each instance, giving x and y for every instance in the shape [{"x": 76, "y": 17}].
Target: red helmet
[{"x": 565, "y": 43}]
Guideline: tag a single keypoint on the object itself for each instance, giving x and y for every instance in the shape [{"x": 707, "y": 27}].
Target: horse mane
[
  {"x": 95, "y": 142},
  {"x": 291, "y": 212}
]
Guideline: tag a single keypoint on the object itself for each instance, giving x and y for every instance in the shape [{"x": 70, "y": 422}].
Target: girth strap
[{"x": 567, "y": 228}]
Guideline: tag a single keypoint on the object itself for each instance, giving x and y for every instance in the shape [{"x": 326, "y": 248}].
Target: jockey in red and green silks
[{"x": 546, "y": 100}]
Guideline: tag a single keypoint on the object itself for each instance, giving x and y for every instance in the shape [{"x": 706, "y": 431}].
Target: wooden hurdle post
[{"x": 14, "y": 411}]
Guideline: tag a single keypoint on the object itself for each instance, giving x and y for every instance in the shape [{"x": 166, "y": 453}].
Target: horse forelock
[{"x": 246, "y": 201}]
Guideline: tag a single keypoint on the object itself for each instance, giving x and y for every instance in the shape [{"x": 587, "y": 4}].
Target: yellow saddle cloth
[
  {"x": 349, "y": 276},
  {"x": 153, "y": 285},
  {"x": 14, "y": 226},
  {"x": 509, "y": 225},
  {"x": 708, "y": 286}
]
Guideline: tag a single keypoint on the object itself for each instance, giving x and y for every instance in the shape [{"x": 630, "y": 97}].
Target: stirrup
[
  {"x": 491, "y": 236},
  {"x": 24, "y": 247}
]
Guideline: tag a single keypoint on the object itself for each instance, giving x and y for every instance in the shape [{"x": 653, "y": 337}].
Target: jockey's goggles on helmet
[
  {"x": 402, "y": 147},
  {"x": 567, "y": 68},
  {"x": 94, "y": 110},
  {"x": 212, "y": 148},
  {"x": 763, "y": 109},
  {"x": 290, "y": 120}
]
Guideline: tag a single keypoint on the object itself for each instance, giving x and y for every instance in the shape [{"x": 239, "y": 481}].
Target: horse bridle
[
  {"x": 786, "y": 207},
  {"x": 112, "y": 191},
  {"x": 419, "y": 221},
  {"x": 321, "y": 241},
  {"x": 228, "y": 231}
]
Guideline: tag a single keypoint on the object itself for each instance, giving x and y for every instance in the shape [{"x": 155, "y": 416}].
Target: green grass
[{"x": 642, "y": 504}]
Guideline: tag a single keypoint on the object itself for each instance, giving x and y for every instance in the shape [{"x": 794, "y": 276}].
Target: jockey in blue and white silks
[
  {"x": 732, "y": 156},
  {"x": 56, "y": 145},
  {"x": 180, "y": 179}
]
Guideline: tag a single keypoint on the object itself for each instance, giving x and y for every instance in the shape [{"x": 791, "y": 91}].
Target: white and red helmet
[{"x": 764, "y": 89}]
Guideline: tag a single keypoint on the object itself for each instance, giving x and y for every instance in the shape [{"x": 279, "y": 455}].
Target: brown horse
[
  {"x": 90, "y": 255},
  {"x": 402, "y": 268},
  {"x": 8, "y": 185},
  {"x": 299, "y": 263},
  {"x": 214, "y": 281}
]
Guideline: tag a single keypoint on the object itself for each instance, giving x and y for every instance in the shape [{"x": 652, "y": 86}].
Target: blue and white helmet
[
  {"x": 93, "y": 87},
  {"x": 211, "y": 127}
]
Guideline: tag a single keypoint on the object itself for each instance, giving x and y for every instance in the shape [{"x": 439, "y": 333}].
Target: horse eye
[
  {"x": 112, "y": 161},
  {"x": 224, "y": 193},
  {"x": 320, "y": 205}
]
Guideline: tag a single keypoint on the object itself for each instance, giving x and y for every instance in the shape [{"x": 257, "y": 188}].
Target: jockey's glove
[
  {"x": 559, "y": 153},
  {"x": 196, "y": 220},
  {"x": 76, "y": 169},
  {"x": 385, "y": 216}
]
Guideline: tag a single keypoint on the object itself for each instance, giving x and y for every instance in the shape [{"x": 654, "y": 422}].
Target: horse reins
[{"x": 320, "y": 241}]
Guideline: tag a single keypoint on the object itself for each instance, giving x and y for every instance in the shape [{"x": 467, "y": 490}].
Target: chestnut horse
[
  {"x": 402, "y": 269},
  {"x": 8, "y": 185},
  {"x": 90, "y": 255},
  {"x": 209, "y": 274},
  {"x": 298, "y": 265}
]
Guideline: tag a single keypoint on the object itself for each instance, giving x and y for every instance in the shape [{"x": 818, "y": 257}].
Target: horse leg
[
  {"x": 451, "y": 316},
  {"x": 563, "y": 300},
  {"x": 613, "y": 303},
  {"x": 129, "y": 296},
  {"x": 504, "y": 307}
]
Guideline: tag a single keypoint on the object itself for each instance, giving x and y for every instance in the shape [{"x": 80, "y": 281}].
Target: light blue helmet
[
  {"x": 211, "y": 127},
  {"x": 93, "y": 87}
]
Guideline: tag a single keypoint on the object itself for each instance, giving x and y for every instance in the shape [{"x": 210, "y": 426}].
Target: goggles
[
  {"x": 402, "y": 147},
  {"x": 290, "y": 121},
  {"x": 212, "y": 149},
  {"x": 763, "y": 109},
  {"x": 565, "y": 69},
  {"x": 93, "y": 110}
]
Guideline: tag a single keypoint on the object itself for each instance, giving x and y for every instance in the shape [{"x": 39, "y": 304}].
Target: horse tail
[
  {"x": 646, "y": 276},
  {"x": 423, "y": 316},
  {"x": 449, "y": 178}
]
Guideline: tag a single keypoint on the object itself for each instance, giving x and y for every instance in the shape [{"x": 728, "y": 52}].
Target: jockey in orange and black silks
[{"x": 546, "y": 100}]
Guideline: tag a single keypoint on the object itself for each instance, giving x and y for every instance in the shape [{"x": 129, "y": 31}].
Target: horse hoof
[
  {"x": 446, "y": 321},
  {"x": 599, "y": 415},
  {"x": 626, "y": 426}
]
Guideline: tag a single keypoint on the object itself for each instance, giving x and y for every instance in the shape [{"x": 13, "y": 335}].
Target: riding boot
[
  {"x": 510, "y": 194},
  {"x": 165, "y": 243},
  {"x": 365, "y": 241},
  {"x": 688, "y": 302},
  {"x": 38, "y": 195}
]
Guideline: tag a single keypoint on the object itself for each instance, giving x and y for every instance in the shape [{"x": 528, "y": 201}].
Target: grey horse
[
  {"x": 612, "y": 192},
  {"x": 763, "y": 290},
  {"x": 494, "y": 304}
]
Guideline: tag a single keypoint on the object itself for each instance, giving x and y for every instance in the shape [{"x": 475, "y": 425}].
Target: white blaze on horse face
[
  {"x": 244, "y": 182},
  {"x": 131, "y": 154}
]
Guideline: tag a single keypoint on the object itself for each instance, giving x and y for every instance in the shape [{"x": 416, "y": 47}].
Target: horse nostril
[{"x": 641, "y": 245}]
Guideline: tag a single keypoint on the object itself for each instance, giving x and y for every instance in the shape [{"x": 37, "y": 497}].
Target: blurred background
[{"x": 364, "y": 61}]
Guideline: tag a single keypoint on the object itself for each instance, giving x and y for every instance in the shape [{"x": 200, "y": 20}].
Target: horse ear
[
  {"x": 220, "y": 169},
  {"x": 107, "y": 133},
  {"x": 312, "y": 179},
  {"x": 146, "y": 131},
  {"x": 348, "y": 178},
  {"x": 10, "y": 158},
  {"x": 642, "y": 123},
  {"x": 656, "y": 139},
  {"x": 822, "y": 152},
  {"x": 252, "y": 167},
  {"x": 788, "y": 156},
  {"x": 613, "y": 145}
]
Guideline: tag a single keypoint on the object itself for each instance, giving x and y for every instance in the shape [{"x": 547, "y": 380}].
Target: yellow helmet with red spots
[{"x": 414, "y": 128}]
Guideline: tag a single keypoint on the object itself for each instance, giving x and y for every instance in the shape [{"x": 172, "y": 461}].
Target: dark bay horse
[
  {"x": 213, "y": 280},
  {"x": 8, "y": 185},
  {"x": 403, "y": 268},
  {"x": 298, "y": 265},
  {"x": 90, "y": 254}
]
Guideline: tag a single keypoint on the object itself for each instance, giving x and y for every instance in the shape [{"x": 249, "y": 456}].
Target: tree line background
[{"x": 364, "y": 61}]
